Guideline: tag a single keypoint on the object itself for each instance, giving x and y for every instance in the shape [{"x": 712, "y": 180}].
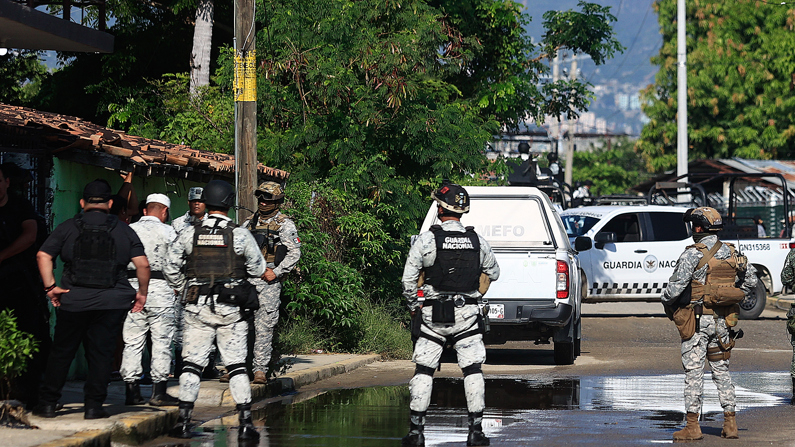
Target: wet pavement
[{"x": 589, "y": 410}]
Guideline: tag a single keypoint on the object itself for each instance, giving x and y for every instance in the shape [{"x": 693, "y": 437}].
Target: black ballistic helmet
[
  {"x": 219, "y": 194},
  {"x": 452, "y": 197},
  {"x": 705, "y": 217}
]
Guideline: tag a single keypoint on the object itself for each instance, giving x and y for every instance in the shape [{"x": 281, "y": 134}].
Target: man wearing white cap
[
  {"x": 197, "y": 211},
  {"x": 158, "y": 317}
]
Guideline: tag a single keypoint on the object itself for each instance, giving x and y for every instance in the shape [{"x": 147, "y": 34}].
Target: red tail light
[
  {"x": 792, "y": 245},
  {"x": 563, "y": 280}
]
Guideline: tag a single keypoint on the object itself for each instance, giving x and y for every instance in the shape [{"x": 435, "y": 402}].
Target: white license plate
[{"x": 497, "y": 311}]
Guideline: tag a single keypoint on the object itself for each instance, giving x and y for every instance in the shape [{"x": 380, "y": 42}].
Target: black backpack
[{"x": 94, "y": 255}]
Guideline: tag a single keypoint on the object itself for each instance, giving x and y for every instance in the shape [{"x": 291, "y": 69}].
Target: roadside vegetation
[{"x": 369, "y": 105}]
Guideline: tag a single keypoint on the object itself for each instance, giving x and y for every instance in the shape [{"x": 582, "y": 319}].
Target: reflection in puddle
[{"x": 518, "y": 411}]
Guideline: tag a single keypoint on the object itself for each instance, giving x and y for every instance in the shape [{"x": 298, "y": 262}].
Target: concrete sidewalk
[{"x": 134, "y": 424}]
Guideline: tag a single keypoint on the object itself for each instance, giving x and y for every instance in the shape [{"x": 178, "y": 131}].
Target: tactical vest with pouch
[
  {"x": 268, "y": 239},
  {"x": 93, "y": 261},
  {"x": 213, "y": 257},
  {"x": 719, "y": 289},
  {"x": 457, "y": 265}
]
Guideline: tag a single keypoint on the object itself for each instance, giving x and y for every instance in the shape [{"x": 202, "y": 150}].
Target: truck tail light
[
  {"x": 563, "y": 280},
  {"x": 792, "y": 245}
]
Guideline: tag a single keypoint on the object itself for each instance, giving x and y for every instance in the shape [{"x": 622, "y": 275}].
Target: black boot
[
  {"x": 160, "y": 396},
  {"x": 792, "y": 401},
  {"x": 183, "y": 426},
  {"x": 476, "y": 436},
  {"x": 246, "y": 432},
  {"x": 416, "y": 436},
  {"x": 132, "y": 393}
]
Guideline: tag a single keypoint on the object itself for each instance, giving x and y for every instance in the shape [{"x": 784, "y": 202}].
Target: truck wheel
[
  {"x": 564, "y": 353},
  {"x": 751, "y": 307}
]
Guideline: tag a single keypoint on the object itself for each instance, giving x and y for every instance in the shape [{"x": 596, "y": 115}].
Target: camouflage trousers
[
  {"x": 265, "y": 319},
  {"x": 792, "y": 365},
  {"x": 694, "y": 356},
  {"x": 791, "y": 314},
  {"x": 160, "y": 324},
  {"x": 203, "y": 326},
  {"x": 470, "y": 351}
]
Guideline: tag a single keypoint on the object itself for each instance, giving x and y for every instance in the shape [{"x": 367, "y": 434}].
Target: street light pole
[{"x": 681, "y": 92}]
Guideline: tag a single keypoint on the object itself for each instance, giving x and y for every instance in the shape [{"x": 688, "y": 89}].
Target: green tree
[
  {"x": 369, "y": 104},
  {"x": 613, "y": 171},
  {"x": 21, "y": 75},
  {"x": 740, "y": 69}
]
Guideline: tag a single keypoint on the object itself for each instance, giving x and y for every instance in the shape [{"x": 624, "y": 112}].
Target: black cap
[{"x": 97, "y": 191}]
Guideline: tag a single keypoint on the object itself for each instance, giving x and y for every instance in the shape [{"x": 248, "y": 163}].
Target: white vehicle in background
[
  {"x": 628, "y": 253},
  {"x": 537, "y": 296}
]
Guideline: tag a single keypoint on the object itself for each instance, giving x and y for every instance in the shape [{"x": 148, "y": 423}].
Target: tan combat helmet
[
  {"x": 269, "y": 191},
  {"x": 705, "y": 217}
]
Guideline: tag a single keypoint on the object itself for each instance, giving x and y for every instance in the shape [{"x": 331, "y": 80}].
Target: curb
[
  {"x": 781, "y": 302},
  {"x": 138, "y": 428}
]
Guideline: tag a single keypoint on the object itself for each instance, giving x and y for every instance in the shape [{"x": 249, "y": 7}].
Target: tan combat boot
[
  {"x": 729, "y": 426},
  {"x": 259, "y": 377},
  {"x": 692, "y": 430}
]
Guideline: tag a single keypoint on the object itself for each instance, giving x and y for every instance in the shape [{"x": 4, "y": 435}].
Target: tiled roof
[{"x": 28, "y": 130}]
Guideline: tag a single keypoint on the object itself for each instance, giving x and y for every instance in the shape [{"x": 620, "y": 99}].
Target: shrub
[{"x": 16, "y": 349}]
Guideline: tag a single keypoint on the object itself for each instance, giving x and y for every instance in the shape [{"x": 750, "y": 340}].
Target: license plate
[{"x": 497, "y": 311}]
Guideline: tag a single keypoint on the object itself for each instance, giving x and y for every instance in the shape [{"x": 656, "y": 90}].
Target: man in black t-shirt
[
  {"x": 21, "y": 290},
  {"x": 94, "y": 297}
]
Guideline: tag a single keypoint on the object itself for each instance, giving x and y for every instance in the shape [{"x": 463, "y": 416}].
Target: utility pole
[
  {"x": 569, "y": 173},
  {"x": 245, "y": 89},
  {"x": 555, "y": 77}
]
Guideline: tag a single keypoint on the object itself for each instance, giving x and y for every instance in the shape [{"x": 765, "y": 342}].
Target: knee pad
[
  {"x": 192, "y": 368},
  {"x": 236, "y": 369},
  {"x": 472, "y": 369},
  {"x": 425, "y": 370}
]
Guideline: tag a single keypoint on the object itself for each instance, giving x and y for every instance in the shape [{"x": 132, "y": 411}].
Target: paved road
[{"x": 625, "y": 388}]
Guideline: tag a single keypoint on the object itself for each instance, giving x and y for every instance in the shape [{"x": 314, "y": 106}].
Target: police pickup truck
[
  {"x": 537, "y": 296},
  {"x": 627, "y": 253}
]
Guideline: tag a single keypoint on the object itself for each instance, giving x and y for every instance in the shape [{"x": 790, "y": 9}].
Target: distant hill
[{"x": 619, "y": 79}]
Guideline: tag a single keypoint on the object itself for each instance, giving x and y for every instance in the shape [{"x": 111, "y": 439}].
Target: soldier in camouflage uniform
[
  {"x": 788, "y": 279},
  {"x": 452, "y": 259},
  {"x": 278, "y": 239},
  {"x": 195, "y": 214},
  {"x": 711, "y": 329},
  {"x": 158, "y": 318},
  {"x": 196, "y": 211},
  {"x": 217, "y": 257}
]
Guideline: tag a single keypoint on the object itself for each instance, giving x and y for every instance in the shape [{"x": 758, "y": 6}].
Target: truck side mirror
[
  {"x": 582, "y": 243},
  {"x": 604, "y": 238}
]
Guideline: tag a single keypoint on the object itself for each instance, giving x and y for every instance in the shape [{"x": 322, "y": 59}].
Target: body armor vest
[
  {"x": 213, "y": 257},
  {"x": 94, "y": 255},
  {"x": 457, "y": 265},
  {"x": 267, "y": 236},
  {"x": 719, "y": 288}
]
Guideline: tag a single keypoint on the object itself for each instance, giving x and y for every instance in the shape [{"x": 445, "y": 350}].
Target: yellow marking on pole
[{"x": 245, "y": 84}]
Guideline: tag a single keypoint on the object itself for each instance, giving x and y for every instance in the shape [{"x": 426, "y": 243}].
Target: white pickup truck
[
  {"x": 537, "y": 296},
  {"x": 635, "y": 248}
]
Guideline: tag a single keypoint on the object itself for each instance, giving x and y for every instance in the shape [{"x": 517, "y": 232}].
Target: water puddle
[{"x": 627, "y": 410}]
